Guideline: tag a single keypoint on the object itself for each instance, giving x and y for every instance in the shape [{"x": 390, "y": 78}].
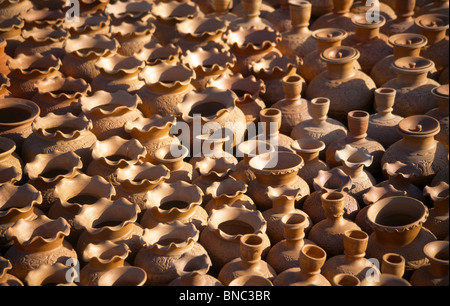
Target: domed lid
[
  {"x": 329, "y": 34},
  {"x": 419, "y": 125},
  {"x": 360, "y": 21},
  {"x": 432, "y": 22},
  {"x": 408, "y": 40},
  {"x": 340, "y": 54},
  {"x": 413, "y": 64},
  {"x": 440, "y": 92}
]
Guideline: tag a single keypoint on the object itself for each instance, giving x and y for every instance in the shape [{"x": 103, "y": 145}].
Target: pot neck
[
  {"x": 441, "y": 207},
  {"x": 433, "y": 37},
  {"x": 338, "y": 71},
  {"x": 113, "y": 235},
  {"x": 224, "y": 200},
  {"x": 173, "y": 164},
  {"x": 366, "y": 34},
  {"x": 412, "y": 80},
  {"x": 310, "y": 157},
  {"x": 283, "y": 205},
  {"x": 420, "y": 143},
  {"x": 116, "y": 263},
  {"x": 400, "y": 51},
  {"x": 437, "y": 269},
  {"x": 41, "y": 247},
  {"x": 323, "y": 44},
  {"x": 353, "y": 172}
]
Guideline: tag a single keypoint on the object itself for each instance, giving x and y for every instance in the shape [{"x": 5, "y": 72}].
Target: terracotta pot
[
  {"x": 321, "y": 7},
  {"x": 436, "y": 273},
  {"x": 280, "y": 18},
  {"x": 195, "y": 279},
  {"x": 11, "y": 162},
  {"x": 220, "y": 9},
  {"x": 11, "y": 8},
  {"x": 51, "y": 275},
  {"x": 435, "y": 7},
  {"x": 43, "y": 40},
  {"x": 320, "y": 127},
  {"x": 174, "y": 242},
  {"x": 109, "y": 112},
  {"x": 339, "y": 17},
  {"x": 338, "y": 83},
  {"x": 404, "y": 23},
  {"x": 10, "y": 30},
  {"x": 129, "y": 11},
  {"x": 92, "y": 6},
  {"x": 154, "y": 52},
  {"x": 60, "y": 95},
  {"x": 250, "y": 16},
  {"x": 441, "y": 113},
  {"x": 419, "y": 148},
  {"x": 37, "y": 242},
  {"x": 226, "y": 226},
  {"x": 385, "y": 10},
  {"x": 88, "y": 24},
  {"x": 123, "y": 276},
  {"x": 268, "y": 130},
  {"x": 172, "y": 157},
  {"x": 312, "y": 258},
  {"x": 7, "y": 279},
  {"x": 47, "y": 170},
  {"x": 412, "y": 81},
  {"x": 165, "y": 87},
  {"x": 62, "y": 133},
  {"x": 249, "y": 262},
  {"x": 345, "y": 280},
  {"x": 334, "y": 180},
  {"x": 397, "y": 227},
  {"x": 437, "y": 221},
  {"x": 132, "y": 35},
  {"x": 393, "y": 264}
]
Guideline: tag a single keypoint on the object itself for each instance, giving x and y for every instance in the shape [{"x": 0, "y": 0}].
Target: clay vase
[
  {"x": 57, "y": 274},
  {"x": 152, "y": 133},
  {"x": 334, "y": 180},
  {"x": 132, "y": 35},
  {"x": 60, "y": 95},
  {"x": 341, "y": 77},
  {"x": 37, "y": 242},
  {"x": 419, "y": 148},
  {"x": 11, "y": 163},
  {"x": 354, "y": 161},
  {"x": 404, "y": 23},
  {"x": 434, "y": 27},
  {"x": 27, "y": 70},
  {"x": 109, "y": 220},
  {"x": 135, "y": 180},
  {"x": 229, "y": 192},
  {"x": 412, "y": 81},
  {"x": 208, "y": 65},
  {"x": 283, "y": 203},
  {"x": 280, "y": 18},
  {"x": 47, "y": 170},
  {"x": 179, "y": 201},
  {"x": 165, "y": 87},
  {"x": 195, "y": 279},
  {"x": 358, "y": 123},
  {"x": 249, "y": 262},
  {"x": 101, "y": 257},
  {"x": 250, "y": 45},
  {"x": 435, "y": 7},
  {"x": 441, "y": 113},
  {"x": 88, "y": 24},
  {"x": 123, "y": 276},
  {"x": 45, "y": 40},
  {"x": 172, "y": 157},
  {"x": 340, "y": 17},
  {"x": 397, "y": 224},
  {"x": 320, "y": 127},
  {"x": 269, "y": 130},
  {"x": 17, "y": 202},
  {"x": 221, "y": 237},
  {"x": 10, "y": 30},
  {"x": 278, "y": 169},
  {"x": 250, "y": 16},
  {"x": 248, "y": 90},
  {"x": 437, "y": 221},
  {"x": 62, "y": 133},
  {"x": 118, "y": 72},
  {"x": 110, "y": 111},
  {"x": 312, "y": 258},
  {"x": 82, "y": 52},
  {"x": 7, "y": 279},
  {"x": 403, "y": 45},
  {"x": 353, "y": 261},
  {"x": 170, "y": 250},
  {"x": 114, "y": 153},
  {"x": 392, "y": 270},
  {"x": 309, "y": 150},
  {"x": 298, "y": 40},
  {"x": 436, "y": 273},
  {"x": 393, "y": 264},
  {"x": 294, "y": 108},
  {"x": 383, "y": 124}
]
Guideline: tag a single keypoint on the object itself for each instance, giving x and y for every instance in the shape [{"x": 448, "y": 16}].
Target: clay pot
[
  {"x": 419, "y": 148},
  {"x": 437, "y": 221},
  {"x": 383, "y": 124},
  {"x": 47, "y": 170},
  {"x": 62, "y": 133},
  {"x": 220, "y": 9},
  {"x": 132, "y": 35},
  {"x": 165, "y": 87},
  {"x": 435, "y": 7},
  {"x": 362, "y": 7},
  {"x": 27, "y": 70},
  {"x": 312, "y": 258},
  {"x": 353, "y": 261},
  {"x": 412, "y": 81},
  {"x": 358, "y": 123},
  {"x": 82, "y": 53},
  {"x": 17, "y": 202},
  {"x": 129, "y": 11},
  {"x": 10, "y": 30},
  {"x": 60, "y": 95},
  {"x": 309, "y": 150},
  {"x": 109, "y": 112},
  {"x": 397, "y": 228},
  {"x": 11, "y": 162},
  {"x": 88, "y": 24},
  {"x": 441, "y": 113},
  {"x": 340, "y": 17},
  {"x": 320, "y": 127},
  {"x": 271, "y": 120},
  {"x": 249, "y": 262},
  {"x": 46, "y": 40},
  {"x": 392, "y": 270},
  {"x": 251, "y": 280},
  {"x": 298, "y": 40},
  {"x": 393, "y": 264},
  {"x": 250, "y": 16},
  {"x": 341, "y": 77},
  {"x": 7, "y": 279},
  {"x": 4, "y": 69},
  {"x": 226, "y": 226},
  {"x": 51, "y": 275},
  {"x": 42, "y": 17},
  {"x": 334, "y": 180},
  {"x": 135, "y": 180},
  {"x": 280, "y": 18},
  {"x": 118, "y": 72},
  {"x": 11, "y": 8},
  {"x": 123, "y": 276},
  {"x": 195, "y": 279},
  {"x": 345, "y": 280},
  {"x": 92, "y": 6},
  {"x": 37, "y": 242},
  {"x": 443, "y": 77},
  {"x": 172, "y": 157},
  {"x": 404, "y": 23},
  {"x": 436, "y": 273},
  {"x": 154, "y": 52},
  {"x": 4, "y": 85},
  {"x": 321, "y": 7},
  {"x": 175, "y": 243},
  {"x": 404, "y": 45}
]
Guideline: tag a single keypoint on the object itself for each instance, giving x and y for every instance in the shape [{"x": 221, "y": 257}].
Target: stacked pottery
[{"x": 251, "y": 16}]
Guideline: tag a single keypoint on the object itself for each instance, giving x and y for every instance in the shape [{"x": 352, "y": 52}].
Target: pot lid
[
  {"x": 441, "y": 91},
  {"x": 340, "y": 54},
  {"x": 432, "y": 22},
  {"x": 419, "y": 125},
  {"x": 408, "y": 40},
  {"x": 413, "y": 64},
  {"x": 329, "y": 34},
  {"x": 360, "y": 21}
]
